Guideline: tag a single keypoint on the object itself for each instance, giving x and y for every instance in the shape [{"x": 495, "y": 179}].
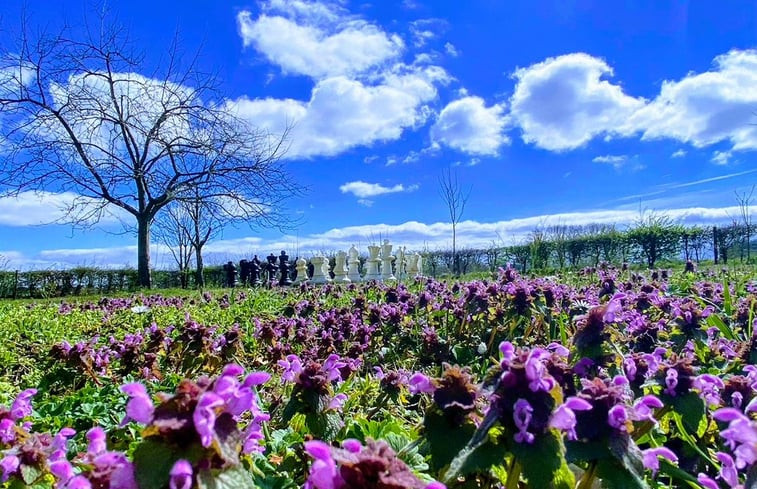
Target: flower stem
[
  {"x": 513, "y": 474},
  {"x": 588, "y": 477}
]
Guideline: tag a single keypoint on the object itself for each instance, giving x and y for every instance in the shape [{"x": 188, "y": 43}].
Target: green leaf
[
  {"x": 543, "y": 463},
  {"x": 234, "y": 478},
  {"x": 692, "y": 411},
  {"x": 626, "y": 470},
  {"x": 324, "y": 426},
  {"x": 153, "y": 460},
  {"x": 445, "y": 439},
  {"x": 615, "y": 476},
  {"x": 29, "y": 473}
]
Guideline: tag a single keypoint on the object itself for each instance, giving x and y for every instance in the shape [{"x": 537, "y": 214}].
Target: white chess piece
[
  {"x": 318, "y": 276},
  {"x": 326, "y": 268},
  {"x": 372, "y": 264},
  {"x": 340, "y": 268},
  {"x": 400, "y": 263},
  {"x": 386, "y": 262},
  {"x": 412, "y": 265},
  {"x": 419, "y": 265},
  {"x": 354, "y": 265},
  {"x": 302, "y": 271}
]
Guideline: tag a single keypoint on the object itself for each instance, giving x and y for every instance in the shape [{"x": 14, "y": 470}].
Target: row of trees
[{"x": 559, "y": 247}]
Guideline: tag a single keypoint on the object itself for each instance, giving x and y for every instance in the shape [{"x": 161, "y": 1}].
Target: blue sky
[{"x": 550, "y": 111}]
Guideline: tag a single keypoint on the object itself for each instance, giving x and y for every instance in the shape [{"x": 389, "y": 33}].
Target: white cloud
[
  {"x": 451, "y": 50},
  {"x": 343, "y": 113},
  {"x": 365, "y": 202},
  {"x": 468, "y": 125},
  {"x": 679, "y": 154},
  {"x": 707, "y": 108},
  {"x": 564, "y": 102},
  {"x": 617, "y": 161},
  {"x": 315, "y": 42},
  {"x": 721, "y": 157},
  {"x": 363, "y": 189},
  {"x": 40, "y": 208},
  {"x": 425, "y": 30}
]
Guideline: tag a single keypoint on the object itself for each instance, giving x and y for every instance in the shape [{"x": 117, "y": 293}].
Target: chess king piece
[
  {"x": 284, "y": 279},
  {"x": 340, "y": 268},
  {"x": 302, "y": 271},
  {"x": 353, "y": 261},
  {"x": 319, "y": 277},
  {"x": 372, "y": 264},
  {"x": 386, "y": 262},
  {"x": 255, "y": 272}
]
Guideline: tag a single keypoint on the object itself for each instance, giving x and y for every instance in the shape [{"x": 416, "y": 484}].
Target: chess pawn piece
[
  {"x": 255, "y": 272},
  {"x": 319, "y": 277},
  {"x": 302, "y": 271},
  {"x": 386, "y": 262},
  {"x": 327, "y": 269},
  {"x": 340, "y": 268},
  {"x": 284, "y": 279},
  {"x": 412, "y": 265},
  {"x": 354, "y": 265},
  {"x": 372, "y": 264}
]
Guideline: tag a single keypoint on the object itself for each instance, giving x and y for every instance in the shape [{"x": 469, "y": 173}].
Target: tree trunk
[
  {"x": 200, "y": 272},
  {"x": 143, "y": 252}
]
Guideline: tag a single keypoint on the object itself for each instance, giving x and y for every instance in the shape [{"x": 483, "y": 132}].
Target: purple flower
[
  {"x": 9, "y": 465},
  {"x": 204, "y": 417},
  {"x": 709, "y": 388},
  {"x": 79, "y": 482},
  {"x": 642, "y": 408},
  {"x": 651, "y": 457},
  {"x": 536, "y": 371},
  {"x": 96, "y": 439},
  {"x": 629, "y": 366},
  {"x": 617, "y": 417},
  {"x": 352, "y": 445},
  {"x": 7, "y": 430},
  {"x": 728, "y": 472},
  {"x": 420, "y": 383},
  {"x": 323, "y": 471},
  {"x": 671, "y": 381},
  {"x": 613, "y": 308},
  {"x": 140, "y": 407},
  {"x": 337, "y": 402},
  {"x": 564, "y": 417},
  {"x": 292, "y": 367},
  {"x": 181, "y": 475},
  {"x": 22, "y": 406},
  {"x": 522, "y": 413},
  {"x": 706, "y": 481},
  {"x": 558, "y": 349},
  {"x": 508, "y": 352}
]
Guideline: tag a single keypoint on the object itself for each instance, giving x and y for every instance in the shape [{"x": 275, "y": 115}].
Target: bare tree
[
  {"x": 171, "y": 229},
  {"x": 744, "y": 200},
  {"x": 78, "y": 116},
  {"x": 455, "y": 199}
]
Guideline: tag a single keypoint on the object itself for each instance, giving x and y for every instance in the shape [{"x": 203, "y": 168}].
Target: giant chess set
[{"x": 380, "y": 265}]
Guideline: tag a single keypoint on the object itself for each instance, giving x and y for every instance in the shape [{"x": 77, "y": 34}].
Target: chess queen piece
[
  {"x": 353, "y": 261},
  {"x": 319, "y": 277},
  {"x": 386, "y": 262},
  {"x": 284, "y": 279},
  {"x": 372, "y": 264},
  {"x": 302, "y": 271},
  {"x": 340, "y": 268}
]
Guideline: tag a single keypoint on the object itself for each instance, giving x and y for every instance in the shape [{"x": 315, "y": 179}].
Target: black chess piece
[
  {"x": 293, "y": 269},
  {"x": 231, "y": 274},
  {"x": 255, "y": 271},
  {"x": 284, "y": 279},
  {"x": 271, "y": 269},
  {"x": 244, "y": 271}
]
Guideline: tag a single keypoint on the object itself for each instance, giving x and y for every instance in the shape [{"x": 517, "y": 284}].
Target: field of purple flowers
[{"x": 607, "y": 378}]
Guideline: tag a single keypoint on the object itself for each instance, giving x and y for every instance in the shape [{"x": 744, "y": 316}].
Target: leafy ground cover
[{"x": 607, "y": 378}]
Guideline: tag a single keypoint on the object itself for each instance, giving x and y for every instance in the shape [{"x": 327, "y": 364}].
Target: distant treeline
[
  {"x": 546, "y": 249},
  {"x": 570, "y": 247}
]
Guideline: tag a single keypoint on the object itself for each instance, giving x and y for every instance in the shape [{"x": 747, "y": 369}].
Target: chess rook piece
[
  {"x": 372, "y": 264},
  {"x": 340, "y": 268},
  {"x": 255, "y": 271},
  {"x": 284, "y": 269},
  {"x": 302, "y": 271},
  {"x": 386, "y": 262},
  {"x": 412, "y": 265},
  {"x": 354, "y": 265}
]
